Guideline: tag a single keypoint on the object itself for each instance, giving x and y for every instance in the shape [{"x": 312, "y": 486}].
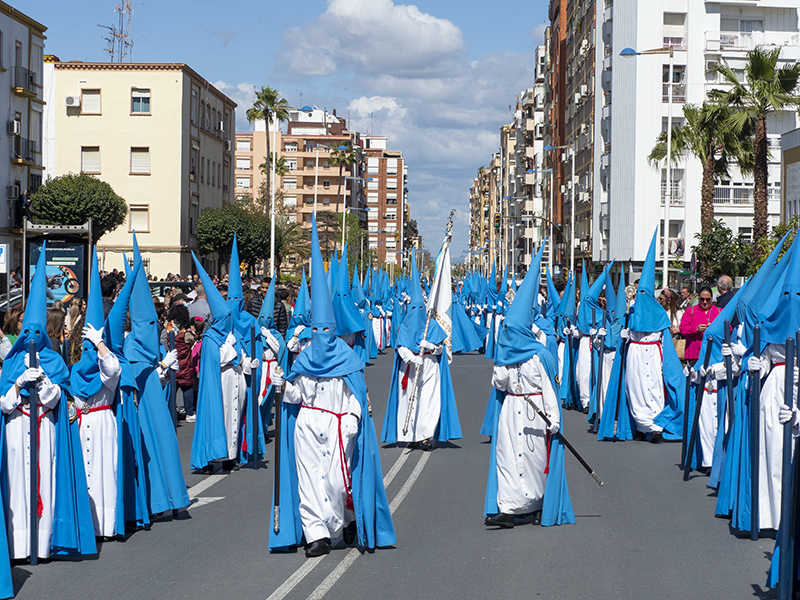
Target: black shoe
[
  {"x": 656, "y": 437},
  {"x": 704, "y": 470},
  {"x": 640, "y": 436},
  {"x": 318, "y": 548},
  {"x": 349, "y": 534},
  {"x": 537, "y": 518},
  {"x": 501, "y": 520},
  {"x": 229, "y": 465},
  {"x": 426, "y": 445},
  {"x": 209, "y": 468},
  {"x": 413, "y": 445}
]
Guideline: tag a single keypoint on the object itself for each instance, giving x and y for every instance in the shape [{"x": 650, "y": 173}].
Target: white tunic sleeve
[
  {"x": 500, "y": 378},
  {"x": 49, "y": 393},
  {"x": 549, "y": 397},
  {"x": 110, "y": 370},
  {"x": 292, "y": 393},
  {"x": 10, "y": 400},
  {"x": 405, "y": 354}
]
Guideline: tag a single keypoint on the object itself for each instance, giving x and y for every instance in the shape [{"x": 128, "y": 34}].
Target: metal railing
[
  {"x": 735, "y": 40},
  {"x": 678, "y": 43},
  {"x": 678, "y": 92},
  {"x": 24, "y": 149},
  {"x": 676, "y": 198},
  {"x": 740, "y": 195},
  {"x": 24, "y": 78}
]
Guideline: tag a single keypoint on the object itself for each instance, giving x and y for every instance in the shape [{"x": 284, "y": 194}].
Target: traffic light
[{"x": 497, "y": 221}]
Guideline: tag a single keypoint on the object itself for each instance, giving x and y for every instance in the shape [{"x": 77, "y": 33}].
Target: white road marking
[
  {"x": 203, "y": 501},
  {"x": 201, "y": 487},
  {"x": 354, "y": 553},
  {"x": 351, "y": 557}
]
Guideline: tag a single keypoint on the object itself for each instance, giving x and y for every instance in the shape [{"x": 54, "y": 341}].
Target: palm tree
[
  {"x": 342, "y": 157},
  {"x": 766, "y": 89},
  {"x": 708, "y": 136},
  {"x": 291, "y": 240},
  {"x": 268, "y": 106}
]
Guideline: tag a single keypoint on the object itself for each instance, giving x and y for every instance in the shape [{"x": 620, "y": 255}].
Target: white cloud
[
  {"x": 412, "y": 82},
  {"x": 244, "y": 95}
]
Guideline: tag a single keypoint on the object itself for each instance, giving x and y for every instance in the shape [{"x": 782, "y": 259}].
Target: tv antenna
[{"x": 120, "y": 39}]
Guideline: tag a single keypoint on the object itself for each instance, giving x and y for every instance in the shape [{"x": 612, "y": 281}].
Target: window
[
  {"x": 242, "y": 183},
  {"x": 139, "y": 217},
  {"x": 290, "y": 183},
  {"x": 372, "y": 185},
  {"x": 290, "y": 201},
  {"x": 214, "y": 173},
  {"x": 140, "y": 161},
  {"x": 140, "y": 101},
  {"x": 391, "y": 166},
  {"x": 194, "y": 213},
  {"x": 243, "y": 164},
  {"x": 290, "y": 147},
  {"x": 372, "y": 198},
  {"x": 193, "y": 160},
  {"x": 202, "y": 170},
  {"x": 243, "y": 145},
  {"x": 292, "y": 218},
  {"x": 90, "y": 102},
  {"x": 219, "y": 175},
  {"x": 391, "y": 227},
  {"x": 372, "y": 227},
  {"x": 391, "y": 200},
  {"x": 308, "y": 200},
  {"x": 90, "y": 159},
  {"x": 291, "y": 164},
  {"x": 195, "y": 94},
  {"x": 226, "y": 169},
  {"x": 208, "y": 170},
  {"x": 326, "y": 201},
  {"x": 373, "y": 165},
  {"x": 391, "y": 184},
  {"x": 326, "y": 183}
]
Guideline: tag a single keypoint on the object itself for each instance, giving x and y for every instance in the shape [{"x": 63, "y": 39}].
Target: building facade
[
  {"x": 386, "y": 188},
  {"x": 22, "y": 95},
  {"x": 160, "y": 135}
]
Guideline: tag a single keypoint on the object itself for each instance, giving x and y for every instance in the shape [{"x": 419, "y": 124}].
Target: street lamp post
[
  {"x": 572, "y": 209},
  {"x": 627, "y": 53},
  {"x": 344, "y": 212}
]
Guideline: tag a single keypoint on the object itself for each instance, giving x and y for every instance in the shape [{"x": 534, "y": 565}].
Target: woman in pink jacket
[{"x": 696, "y": 320}]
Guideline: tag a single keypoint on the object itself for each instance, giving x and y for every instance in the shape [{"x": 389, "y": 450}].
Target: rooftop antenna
[
  {"x": 125, "y": 9},
  {"x": 111, "y": 40},
  {"x": 371, "y": 121}
]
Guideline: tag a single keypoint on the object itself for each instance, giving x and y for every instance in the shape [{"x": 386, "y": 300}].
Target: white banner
[{"x": 441, "y": 296}]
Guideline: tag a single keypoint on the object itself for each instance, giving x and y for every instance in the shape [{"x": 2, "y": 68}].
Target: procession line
[
  {"x": 296, "y": 577},
  {"x": 351, "y": 557}
]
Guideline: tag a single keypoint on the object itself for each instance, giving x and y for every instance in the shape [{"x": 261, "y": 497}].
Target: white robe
[
  {"x": 321, "y": 487},
  {"x": 377, "y": 332},
  {"x": 269, "y": 362},
  {"x": 583, "y": 370},
  {"x": 521, "y": 436},
  {"x": 98, "y": 430},
  {"x": 427, "y": 407},
  {"x": 770, "y": 461},
  {"x": 18, "y": 472},
  {"x": 644, "y": 379},
  {"x": 608, "y": 364},
  {"x": 234, "y": 395}
]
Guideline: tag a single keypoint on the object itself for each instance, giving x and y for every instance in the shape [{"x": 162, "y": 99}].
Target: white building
[{"x": 633, "y": 108}]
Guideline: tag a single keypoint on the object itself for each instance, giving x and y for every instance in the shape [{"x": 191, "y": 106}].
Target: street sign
[{"x": 4, "y": 250}]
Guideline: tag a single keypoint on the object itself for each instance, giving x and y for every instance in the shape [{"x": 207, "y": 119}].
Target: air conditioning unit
[
  {"x": 72, "y": 101},
  {"x": 13, "y": 191},
  {"x": 576, "y": 99},
  {"x": 584, "y": 128},
  {"x": 221, "y": 126},
  {"x": 14, "y": 127},
  {"x": 710, "y": 64},
  {"x": 584, "y": 90},
  {"x": 228, "y": 145}
]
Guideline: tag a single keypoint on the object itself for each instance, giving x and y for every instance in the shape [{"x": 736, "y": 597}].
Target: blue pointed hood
[
  {"x": 780, "y": 315},
  {"x": 590, "y": 300},
  {"x": 328, "y": 355},
  {"x": 221, "y": 314},
  {"x": 357, "y": 292},
  {"x": 501, "y": 304},
  {"x": 142, "y": 344},
  {"x": 648, "y": 314},
  {"x": 126, "y": 267},
  {"x": 758, "y": 289},
  {"x": 413, "y": 325},
  {"x": 34, "y": 328},
  {"x": 516, "y": 341},
  {"x": 301, "y": 315},
  {"x": 85, "y": 374},
  {"x": 553, "y": 298},
  {"x": 266, "y": 316},
  {"x": 348, "y": 319},
  {"x": 235, "y": 290},
  {"x": 621, "y": 304}
]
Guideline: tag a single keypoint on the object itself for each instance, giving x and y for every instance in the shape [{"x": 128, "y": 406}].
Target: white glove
[
  {"x": 254, "y": 364},
  {"x": 720, "y": 372},
  {"x": 565, "y": 331},
  {"x": 602, "y": 332},
  {"x": 349, "y": 426},
  {"x": 687, "y": 371},
  {"x": 171, "y": 360},
  {"x": 739, "y": 349},
  {"x": 271, "y": 340},
  {"x": 230, "y": 339},
  {"x": 426, "y": 345},
  {"x": 553, "y": 428},
  {"x": 277, "y": 377},
  {"x": 625, "y": 334},
  {"x": 416, "y": 360},
  {"x": 593, "y": 331},
  {"x": 755, "y": 363},
  {"x": 576, "y": 333},
  {"x": 786, "y": 414},
  {"x": 298, "y": 330},
  {"x": 95, "y": 336},
  {"x": 727, "y": 350},
  {"x": 703, "y": 371},
  {"x": 28, "y": 359},
  {"x": 29, "y": 375}
]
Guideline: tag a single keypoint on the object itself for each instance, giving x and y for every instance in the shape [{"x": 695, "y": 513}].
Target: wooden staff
[
  {"x": 755, "y": 407},
  {"x": 276, "y": 487}
]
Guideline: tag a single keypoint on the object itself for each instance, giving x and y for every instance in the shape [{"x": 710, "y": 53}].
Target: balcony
[
  {"x": 740, "y": 195},
  {"x": 718, "y": 41},
  {"x": 678, "y": 92},
  {"x": 24, "y": 83},
  {"x": 676, "y": 43},
  {"x": 25, "y": 151},
  {"x": 677, "y": 198}
]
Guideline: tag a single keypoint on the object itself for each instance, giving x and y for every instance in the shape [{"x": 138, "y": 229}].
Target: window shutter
[
  {"x": 140, "y": 160},
  {"x": 90, "y": 159}
]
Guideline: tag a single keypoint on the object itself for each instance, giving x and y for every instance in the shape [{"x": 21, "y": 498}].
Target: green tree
[
  {"x": 74, "y": 199},
  {"x": 719, "y": 252},
  {"x": 767, "y": 244},
  {"x": 709, "y": 137},
  {"x": 766, "y": 89},
  {"x": 291, "y": 241},
  {"x": 342, "y": 157},
  {"x": 217, "y": 226},
  {"x": 268, "y": 106}
]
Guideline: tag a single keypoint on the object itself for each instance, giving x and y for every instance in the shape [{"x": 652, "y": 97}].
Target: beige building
[
  {"x": 386, "y": 179},
  {"x": 160, "y": 135},
  {"x": 22, "y": 99}
]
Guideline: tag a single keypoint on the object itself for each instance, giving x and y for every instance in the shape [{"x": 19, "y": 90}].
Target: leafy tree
[
  {"x": 291, "y": 241},
  {"x": 766, "y": 89},
  {"x": 720, "y": 253},
  {"x": 767, "y": 244},
  {"x": 269, "y": 106},
  {"x": 73, "y": 199},
  {"x": 342, "y": 157},
  {"x": 216, "y": 227},
  {"x": 708, "y": 136}
]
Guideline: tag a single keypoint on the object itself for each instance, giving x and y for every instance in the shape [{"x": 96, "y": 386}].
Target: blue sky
[{"x": 437, "y": 77}]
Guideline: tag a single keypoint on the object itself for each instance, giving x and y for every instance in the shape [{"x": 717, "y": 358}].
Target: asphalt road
[{"x": 644, "y": 534}]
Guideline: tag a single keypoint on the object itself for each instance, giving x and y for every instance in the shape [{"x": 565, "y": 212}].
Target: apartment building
[
  {"x": 386, "y": 187},
  {"x": 700, "y": 34},
  {"x": 160, "y": 135},
  {"x": 22, "y": 96}
]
